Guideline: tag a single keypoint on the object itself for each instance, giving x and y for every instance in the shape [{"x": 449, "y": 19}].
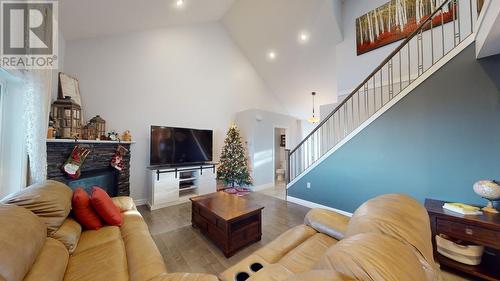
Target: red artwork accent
[{"x": 395, "y": 21}]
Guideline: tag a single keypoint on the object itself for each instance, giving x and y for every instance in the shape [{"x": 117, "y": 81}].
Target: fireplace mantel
[
  {"x": 88, "y": 141},
  {"x": 99, "y": 159}
]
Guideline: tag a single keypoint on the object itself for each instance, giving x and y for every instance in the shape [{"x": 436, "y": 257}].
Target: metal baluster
[
  {"x": 359, "y": 111},
  {"x": 352, "y": 114},
  {"x": 421, "y": 52},
  {"x": 313, "y": 149},
  {"x": 432, "y": 41},
  {"x": 459, "y": 24},
  {"x": 374, "y": 94},
  {"x": 409, "y": 66},
  {"x": 366, "y": 100},
  {"x": 442, "y": 28},
  {"x": 391, "y": 80},
  {"x": 340, "y": 127},
  {"x": 400, "y": 73},
  {"x": 471, "y": 17},
  {"x": 454, "y": 27},
  {"x": 420, "y": 59},
  {"x": 418, "y": 54},
  {"x": 335, "y": 135},
  {"x": 345, "y": 120},
  {"x": 381, "y": 87}
]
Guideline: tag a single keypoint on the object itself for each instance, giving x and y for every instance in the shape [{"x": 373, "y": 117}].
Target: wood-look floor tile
[{"x": 185, "y": 249}]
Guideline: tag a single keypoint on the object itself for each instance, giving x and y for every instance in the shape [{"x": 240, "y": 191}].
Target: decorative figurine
[
  {"x": 126, "y": 136},
  {"x": 100, "y": 127},
  {"x": 489, "y": 190},
  {"x": 113, "y": 136},
  {"x": 51, "y": 130}
]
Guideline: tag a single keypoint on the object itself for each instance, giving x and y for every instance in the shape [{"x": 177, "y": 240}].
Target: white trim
[
  {"x": 485, "y": 23},
  {"x": 140, "y": 202},
  {"x": 274, "y": 147},
  {"x": 262, "y": 186},
  {"x": 313, "y": 205},
  {"x": 2, "y": 97},
  {"x": 459, "y": 48}
]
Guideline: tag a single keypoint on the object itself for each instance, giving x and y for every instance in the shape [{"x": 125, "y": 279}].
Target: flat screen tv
[{"x": 180, "y": 146}]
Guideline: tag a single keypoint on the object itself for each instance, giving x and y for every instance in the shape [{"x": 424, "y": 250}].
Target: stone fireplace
[{"x": 96, "y": 169}]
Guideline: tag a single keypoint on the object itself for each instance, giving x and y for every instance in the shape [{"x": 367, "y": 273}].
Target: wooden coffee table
[{"x": 229, "y": 221}]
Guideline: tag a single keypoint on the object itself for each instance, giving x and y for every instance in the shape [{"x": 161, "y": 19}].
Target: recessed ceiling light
[
  {"x": 179, "y": 3},
  {"x": 303, "y": 37},
  {"x": 271, "y": 55}
]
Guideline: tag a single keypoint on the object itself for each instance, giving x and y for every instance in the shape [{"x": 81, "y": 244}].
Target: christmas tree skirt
[{"x": 238, "y": 191}]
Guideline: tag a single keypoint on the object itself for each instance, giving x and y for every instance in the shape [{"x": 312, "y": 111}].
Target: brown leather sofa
[
  {"x": 388, "y": 238},
  {"x": 46, "y": 244}
]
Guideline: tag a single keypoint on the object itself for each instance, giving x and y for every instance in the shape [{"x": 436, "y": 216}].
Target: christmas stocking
[
  {"x": 72, "y": 166},
  {"x": 117, "y": 160}
]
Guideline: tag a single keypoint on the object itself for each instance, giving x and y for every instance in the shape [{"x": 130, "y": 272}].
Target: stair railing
[{"x": 448, "y": 25}]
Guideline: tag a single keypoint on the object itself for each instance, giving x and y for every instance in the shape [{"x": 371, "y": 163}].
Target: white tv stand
[{"x": 175, "y": 185}]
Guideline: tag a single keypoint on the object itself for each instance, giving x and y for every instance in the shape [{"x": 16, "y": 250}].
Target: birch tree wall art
[{"x": 396, "y": 20}]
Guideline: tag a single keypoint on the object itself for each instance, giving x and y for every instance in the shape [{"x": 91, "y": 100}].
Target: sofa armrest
[
  {"x": 185, "y": 277},
  {"x": 125, "y": 203},
  {"x": 328, "y": 222},
  {"x": 325, "y": 275}
]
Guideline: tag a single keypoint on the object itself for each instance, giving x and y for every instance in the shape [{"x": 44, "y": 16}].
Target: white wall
[
  {"x": 187, "y": 77},
  {"x": 257, "y": 128},
  {"x": 55, "y": 73},
  {"x": 279, "y": 151},
  {"x": 258, "y": 26}
]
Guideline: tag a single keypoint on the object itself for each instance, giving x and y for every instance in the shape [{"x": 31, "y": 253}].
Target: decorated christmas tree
[{"x": 233, "y": 168}]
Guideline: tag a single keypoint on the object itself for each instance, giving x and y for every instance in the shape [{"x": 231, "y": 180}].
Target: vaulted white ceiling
[
  {"x": 261, "y": 26},
  {"x": 256, "y": 26},
  {"x": 92, "y": 18}
]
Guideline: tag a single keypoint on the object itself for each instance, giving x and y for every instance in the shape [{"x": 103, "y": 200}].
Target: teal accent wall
[{"x": 434, "y": 143}]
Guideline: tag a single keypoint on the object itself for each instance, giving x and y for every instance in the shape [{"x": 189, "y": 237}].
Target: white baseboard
[
  {"x": 139, "y": 202},
  {"x": 311, "y": 205},
  {"x": 262, "y": 186}
]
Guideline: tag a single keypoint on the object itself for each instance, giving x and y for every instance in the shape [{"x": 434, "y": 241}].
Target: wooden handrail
[{"x": 372, "y": 74}]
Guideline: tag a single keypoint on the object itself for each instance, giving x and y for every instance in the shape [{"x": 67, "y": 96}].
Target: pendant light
[{"x": 313, "y": 119}]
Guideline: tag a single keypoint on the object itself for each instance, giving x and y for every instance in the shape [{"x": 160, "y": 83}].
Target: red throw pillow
[
  {"x": 105, "y": 207},
  {"x": 83, "y": 212}
]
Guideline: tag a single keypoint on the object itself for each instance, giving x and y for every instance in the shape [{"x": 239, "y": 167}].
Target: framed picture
[
  {"x": 283, "y": 141},
  {"x": 396, "y": 20},
  {"x": 69, "y": 87}
]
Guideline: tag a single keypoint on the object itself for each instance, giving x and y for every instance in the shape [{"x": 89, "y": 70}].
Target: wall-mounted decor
[
  {"x": 283, "y": 140},
  {"x": 396, "y": 20},
  {"x": 69, "y": 87}
]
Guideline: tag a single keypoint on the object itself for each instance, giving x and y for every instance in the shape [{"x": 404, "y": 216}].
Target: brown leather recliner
[
  {"x": 48, "y": 245},
  {"x": 388, "y": 238}
]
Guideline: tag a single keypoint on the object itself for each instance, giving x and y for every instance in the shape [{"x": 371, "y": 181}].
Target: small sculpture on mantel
[
  {"x": 126, "y": 136},
  {"x": 89, "y": 132},
  {"x": 112, "y": 136},
  {"x": 100, "y": 126}
]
